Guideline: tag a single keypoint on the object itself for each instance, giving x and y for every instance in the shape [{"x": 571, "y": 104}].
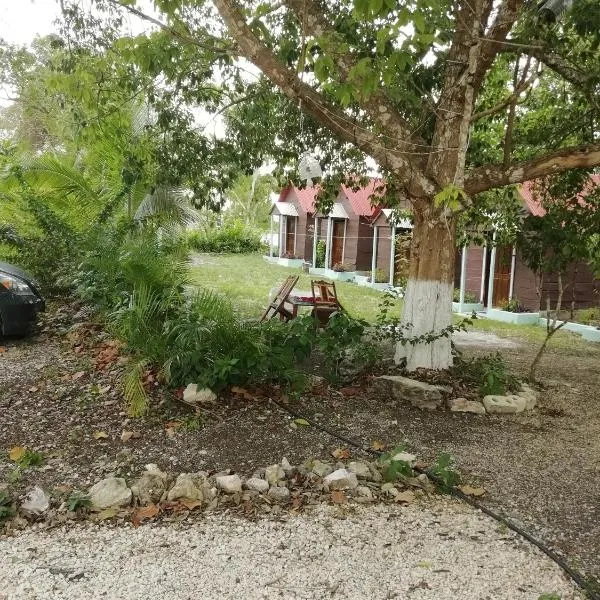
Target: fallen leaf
[
  {"x": 469, "y": 490},
  {"x": 147, "y": 512},
  {"x": 2, "y": 349},
  {"x": 100, "y": 435},
  {"x": 190, "y": 504},
  {"x": 104, "y": 389},
  {"x": 341, "y": 453},
  {"x": 77, "y": 375},
  {"x": 173, "y": 424},
  {"x": 301, "y": 422},
  {"x": 377, "y": 445},
  {"x": 33, "y": 389},
  {"x": 406, "y": 496},
  {"x": 338, "y": 497},
  {"x": 16, "y": 453},
  {"x": 240, "y": 391},
  {"x": 170, "y": 431},
  {"x": 107, "y": 513},
  {"x": 421, "y": 465},
  {"x": 350, "y": 391}
]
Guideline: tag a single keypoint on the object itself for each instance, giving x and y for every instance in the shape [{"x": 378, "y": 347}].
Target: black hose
[{"x": 576, "y": 576}]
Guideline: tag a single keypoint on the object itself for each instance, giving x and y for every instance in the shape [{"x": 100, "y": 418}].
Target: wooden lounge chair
[
  {"x": 325, "y": 301},
  {"x": 277, "y": 305}
]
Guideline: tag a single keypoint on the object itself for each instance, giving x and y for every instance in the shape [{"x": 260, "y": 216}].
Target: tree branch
[
  {"x": 493, "y": 41},
  {"x": 491, "y": 176},
  {"x": 318, "y": 107},
  {"x": 311, "y": 15}
]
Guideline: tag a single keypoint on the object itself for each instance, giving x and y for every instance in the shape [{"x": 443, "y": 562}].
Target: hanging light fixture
[{"x": 309, "y": 168}]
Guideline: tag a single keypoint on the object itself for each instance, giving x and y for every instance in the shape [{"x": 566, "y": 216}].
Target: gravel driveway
[{"x": 438, "y": 550}]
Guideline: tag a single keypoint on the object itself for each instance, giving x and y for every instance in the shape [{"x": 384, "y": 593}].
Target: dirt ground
[{"x": 542, "y": 469}]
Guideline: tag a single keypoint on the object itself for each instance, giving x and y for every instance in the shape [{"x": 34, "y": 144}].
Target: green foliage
[
  {"x": 451, "y": 197},
  {"x": 394, "y": 467},
  {"x": 320, "y": 255},
  {"x": 589, "y": 316},
  {"x": 470, "y": 297},
  {"x": 78, "y": 500},
  {"x": 30, "y": 458},
  {"x": 550, "y": 596},
  {"x": 7, "y": 506},
  {"x": 381, "y": 276},
  {"x": 490, "y": 373},
  {"x": 234, "y": 237},
  {"x": 513, "y": 305},
  {"x": 444, "y": 471}
]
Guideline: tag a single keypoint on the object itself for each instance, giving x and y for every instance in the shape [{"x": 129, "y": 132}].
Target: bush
[
  {"x": 490, "y": 373},
  {"x": 233, "y": 237},
  {"x": 381, "y": 276},
  {"x": 321, "y": 251},
  {"x": 589, "y": 316},
  {"x": 343, "y": 268},
  {"x": 512, "y": 305},
  {"x": 470, "y": 297}
]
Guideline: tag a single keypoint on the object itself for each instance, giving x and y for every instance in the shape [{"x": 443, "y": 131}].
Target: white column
[
  {"x": 282, "y": 235},
  {"x": 271, "y": 238},
  {"x": 393, "y": 255},
  {"x": 344, "y": 241},
  {"x": 492, "y": 272},
  {"x": 374, "y": 255},
  {"x": 295, "y": 234},
  {"x": 315, "y": 240},
  {"x": 328, "y": 243},
  {"x": 463, "y": 278},
  {"x": 482, "y": 290},
  {"x": 512, "y": 272}
]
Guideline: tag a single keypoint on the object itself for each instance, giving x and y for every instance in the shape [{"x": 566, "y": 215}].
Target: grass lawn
[{"x": 246, "y": 280}]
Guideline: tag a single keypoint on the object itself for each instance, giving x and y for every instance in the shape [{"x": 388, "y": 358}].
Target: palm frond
[
  {"x": 170, "y": 203},
  {"x": 133, "y": 389}
]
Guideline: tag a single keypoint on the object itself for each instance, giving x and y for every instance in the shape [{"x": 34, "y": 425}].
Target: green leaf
[{"x": 303, "y": 422}]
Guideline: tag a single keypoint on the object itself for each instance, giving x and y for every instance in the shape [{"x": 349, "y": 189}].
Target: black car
[{"x": 20, "y": 300}]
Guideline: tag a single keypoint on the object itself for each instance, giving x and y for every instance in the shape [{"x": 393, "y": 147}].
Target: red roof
[
  {"x": 359, "y": 200},
  {"x": 527, "y": 191}
]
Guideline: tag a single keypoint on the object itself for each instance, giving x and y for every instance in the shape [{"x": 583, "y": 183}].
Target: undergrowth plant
[{"x": 489, "y": 373}]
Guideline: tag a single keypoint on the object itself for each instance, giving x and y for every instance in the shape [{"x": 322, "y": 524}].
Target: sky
[{"x": 22, "y": 20}]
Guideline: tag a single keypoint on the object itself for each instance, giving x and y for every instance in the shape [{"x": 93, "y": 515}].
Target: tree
[
  {"x": 249, "y": 199},
  {"x": 555, "y": 242},
  {"x": 409, "y": 85}
]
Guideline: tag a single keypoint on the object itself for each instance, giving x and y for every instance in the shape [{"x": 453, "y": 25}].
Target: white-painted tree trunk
[
  {"x": 427, "y": 309},
  {"x": 428, "y": 297}
]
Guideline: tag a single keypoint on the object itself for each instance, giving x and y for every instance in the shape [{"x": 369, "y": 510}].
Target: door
[
  {"x": 290, "y": 236},
  {"x": 502, "y": 275},
  {"x": 337, "y": 242}
]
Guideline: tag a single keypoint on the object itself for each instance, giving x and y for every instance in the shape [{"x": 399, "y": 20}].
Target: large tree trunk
[{"x": 428, "y": 299}]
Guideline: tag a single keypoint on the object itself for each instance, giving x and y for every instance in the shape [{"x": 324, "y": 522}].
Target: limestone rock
[
  {"x": 406, "y": 457},
  {"x": 419, "y": 394},
  {"x": 279, "y": 494},
  {"x": 364, "y": 492},
  {"x": 274, "y": 473},
  {"x": 112, "y": 491},
  {"x": 185, "y": 487},
  {"x": 530, "y": 396},
  {"x": 258, "y": 485},
  {"x": 195, "y": 396},
  {"x": 287, "y": 467},
  {"x": 360, "y": 469},
  {"x": 504, "y": 404},
  {"x": 389, "y": 489},
  {"x": 229, "y": 483},
  {"x": 37, "y": 501},
  {"x": 321, "y": 469},
  {"x": 342, "y": 479},
  {"x": 464, "y": 405},
  {"x": 150, "y": 487}
]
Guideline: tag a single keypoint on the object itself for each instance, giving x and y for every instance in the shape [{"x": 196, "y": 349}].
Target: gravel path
[{"x": 439, "y": 550}]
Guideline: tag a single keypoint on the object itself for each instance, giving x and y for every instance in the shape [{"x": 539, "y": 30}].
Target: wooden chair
[
  {"x": 277, "y": 305},
  {"x": 325, "y": 300}
]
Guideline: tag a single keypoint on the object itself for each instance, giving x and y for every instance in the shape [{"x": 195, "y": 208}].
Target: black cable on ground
[{"x": 576, "y": 576}]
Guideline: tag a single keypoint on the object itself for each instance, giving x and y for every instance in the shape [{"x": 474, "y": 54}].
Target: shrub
[
  {"x": 343, "y": 268},
  {"x": 470, "y": 297},
  {"x": 233, "y": 237},
  {"x": 589, "y": 316},
  {"x": 490, "y": 373},
  {"x": 381, "y": 276},
  {"x": 512, "y": 305},
  {"x": 321, "y": 251}
]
